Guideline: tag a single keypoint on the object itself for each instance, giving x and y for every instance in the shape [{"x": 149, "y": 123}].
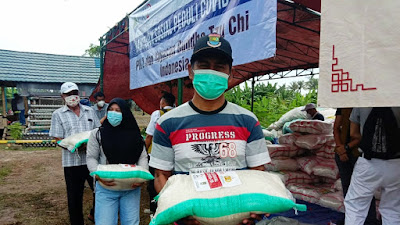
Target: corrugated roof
[{"x": 47, "y": 68}]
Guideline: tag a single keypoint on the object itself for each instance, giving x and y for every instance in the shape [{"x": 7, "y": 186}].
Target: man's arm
[
  {"x": 148, "y": 140},
  {"x": 160, "y": 178},
  {"x": 340, "y": 148},
  {"x": 355, "y": 135}
]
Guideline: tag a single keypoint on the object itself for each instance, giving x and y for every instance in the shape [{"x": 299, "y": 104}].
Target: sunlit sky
[{"x": 65, "y": 27}]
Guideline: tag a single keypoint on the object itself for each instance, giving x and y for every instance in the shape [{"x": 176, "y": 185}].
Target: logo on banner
[{"x": 213, "y": 40}]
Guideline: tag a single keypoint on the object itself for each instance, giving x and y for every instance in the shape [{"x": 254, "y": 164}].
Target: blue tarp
[{"x": 315, "y": 214}]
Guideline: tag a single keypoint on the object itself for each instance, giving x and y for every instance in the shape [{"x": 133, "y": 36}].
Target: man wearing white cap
[
  {"x": 74, "y": 118},
  {"x": 312, "y": 112}
]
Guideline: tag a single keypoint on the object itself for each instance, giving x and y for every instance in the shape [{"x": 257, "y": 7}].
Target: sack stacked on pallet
[{"x": 311, "y": 146}]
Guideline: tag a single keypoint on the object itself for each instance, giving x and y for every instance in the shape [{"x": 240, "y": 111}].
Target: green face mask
[{"x": 210, "y": 84}]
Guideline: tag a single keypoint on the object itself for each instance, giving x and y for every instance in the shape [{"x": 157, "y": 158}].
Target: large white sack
[
  {"x": 326, "y": 168},
  {"x": 293, "y": 114},
  {"x": 270, "y": 133},
  {"x": 259, "y": 192},
  {"x": 338, "y": 185},
  {"x": 284, "y": 150},
  {"x": 123, "y": 175},
  {"x": 288, "y": 138},
  {"x": 282, "y": 163},
  {"x": 299, "y": 177},
  {"x": 326, "y": 151},
  {"x": 306, "y": 192},
  {"x": 307, "y": 163},
  {"x": 75, "y": 141},
  {"x": 312, "y": 127},
  {"x": 332, "y": 201},
  {"x": 313, "y": 141}
]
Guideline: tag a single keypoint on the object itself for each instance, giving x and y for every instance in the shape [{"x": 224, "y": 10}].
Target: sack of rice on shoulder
[
  {"x": 75, "y": 141},
  {"x": 222, "y": 198},
  {"x": 123, "y": 175}
]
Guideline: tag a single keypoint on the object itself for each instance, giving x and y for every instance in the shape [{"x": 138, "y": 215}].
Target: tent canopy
[{"x": 297, "y": 37}]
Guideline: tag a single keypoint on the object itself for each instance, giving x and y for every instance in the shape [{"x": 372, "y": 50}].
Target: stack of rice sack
[{"x": 305, "y": 162}]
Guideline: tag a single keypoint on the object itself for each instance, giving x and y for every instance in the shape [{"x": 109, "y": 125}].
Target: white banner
[
  {"x": 162, "y": 34},
  {"x": 359, "y": 53}
]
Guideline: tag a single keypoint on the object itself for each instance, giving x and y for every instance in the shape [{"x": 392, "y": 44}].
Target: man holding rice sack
[{"x": 206, "y": 134}]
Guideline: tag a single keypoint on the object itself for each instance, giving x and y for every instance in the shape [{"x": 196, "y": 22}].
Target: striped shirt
[
  {"x": 64, "y": 123},
  {"x": 187, "y": 138}
]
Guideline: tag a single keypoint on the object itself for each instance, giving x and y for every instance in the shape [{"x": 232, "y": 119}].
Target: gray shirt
[
  {"x": 360, "y": 115},
  {"x": 64, "y": 123},
  {"x": 96, "y": 156},
  {"x": 100, "y": 112}
]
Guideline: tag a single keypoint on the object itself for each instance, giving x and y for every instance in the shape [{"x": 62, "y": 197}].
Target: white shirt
[{"x": 153, "y": 120}]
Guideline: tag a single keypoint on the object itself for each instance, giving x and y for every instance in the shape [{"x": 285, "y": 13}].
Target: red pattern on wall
[{"x": 341, "y": 81}]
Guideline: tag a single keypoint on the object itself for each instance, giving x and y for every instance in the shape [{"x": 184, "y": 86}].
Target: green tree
[
  {"x": 92, "y": 51},
  {"x": 312, "y": 84}
]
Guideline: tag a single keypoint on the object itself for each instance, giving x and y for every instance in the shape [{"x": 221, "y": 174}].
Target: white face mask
[
  {"x": 101, "y": 103},
  {"x": 309, "y": 116},
  {"x": 72, "y": 100}
]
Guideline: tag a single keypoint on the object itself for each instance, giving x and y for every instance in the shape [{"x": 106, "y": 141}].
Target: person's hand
[
  {"x": 189, "y": 221},
  {"x": 341, "y": 151},
  {"x": 82, "y": 147},
  {"x": 105, "y": 182},
  {"x": 135, "y": 185},
  {"x": 253, "y": 218}
]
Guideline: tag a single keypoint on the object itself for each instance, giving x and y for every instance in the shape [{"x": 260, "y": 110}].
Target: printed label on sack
[
  {"x": 214, "y": 180},
  {"x": 127, "y": 166}
]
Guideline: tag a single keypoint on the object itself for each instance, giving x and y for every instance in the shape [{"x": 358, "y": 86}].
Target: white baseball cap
[
  {"x": 309, "y": 106},
  {"x": 67, "y": 87}
]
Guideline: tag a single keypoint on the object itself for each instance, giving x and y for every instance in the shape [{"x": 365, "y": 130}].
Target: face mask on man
[
  {"x": 101, "y": 103},
  {"x": 210, "y": 84},
  {"x": 72, "y": 100},
  {"x": 114, "y": 118}
]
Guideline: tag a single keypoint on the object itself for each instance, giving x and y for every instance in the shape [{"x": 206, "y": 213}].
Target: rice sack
[
  {"x": 257, "y": 192},
  {"x": 123, "y": 175},
  {"x": 75, "y": 141}
]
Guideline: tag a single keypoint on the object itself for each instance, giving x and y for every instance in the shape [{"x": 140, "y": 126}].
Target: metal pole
[
  {"x": 180, "y": 91},
  {"x": 3, "y": 97},
  {"x": 252, "y": 93},
  {"x": 101, "y": 63}
]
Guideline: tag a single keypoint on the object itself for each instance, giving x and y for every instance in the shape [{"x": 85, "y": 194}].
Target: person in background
[
  {"x": 377, "y": 133},
  {"x": 100, "y": 107},
  {"x": 346, "y": 156},
  {"x": 312, "y": 112},
  {"x": 74, "y": 118},
  {"x": 18, "y": 107},
  {"x": 117, "y": 141},
  {"x": 187, "y": 134},
  {"x": 167, "y": 102}
]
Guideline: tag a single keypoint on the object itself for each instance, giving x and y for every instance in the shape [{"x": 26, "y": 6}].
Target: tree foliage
[
  {"x": 92, "y": 51},
  {"x": 270, "y": 101}
]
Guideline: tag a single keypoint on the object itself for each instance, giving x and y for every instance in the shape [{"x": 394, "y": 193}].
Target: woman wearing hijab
[{"x": 117, "y": 141}]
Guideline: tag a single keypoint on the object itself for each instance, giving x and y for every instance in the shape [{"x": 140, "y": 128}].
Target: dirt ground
[{"x": 32, "y": 189}]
